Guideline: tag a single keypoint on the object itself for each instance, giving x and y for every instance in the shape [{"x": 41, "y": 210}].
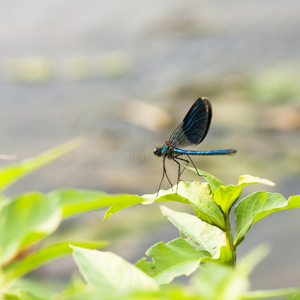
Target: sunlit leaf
[
  {"x": 223, "y": 256},
  {"x": 50, "y": 253},
  {"x": 206, "y": 236},
  {"x": 107, "y": 270},
  {"x": 214, "y": 182},
  {"x": 78, "y": 201},
  {"x": 201, "y": 198},
  {"x": 171, "y": 260},
  {"x": 196, "y": 194},
  {"x": 257, "y": 206},
  {"x": 248, "y": 179},
  {"x": 25, "y": 220},
  {"x": 226, "y": 196},
  {"x": 11, "y": 173}
]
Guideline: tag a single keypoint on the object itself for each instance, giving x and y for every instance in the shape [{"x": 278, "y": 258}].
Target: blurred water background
[{"x": 124, "y": 74}]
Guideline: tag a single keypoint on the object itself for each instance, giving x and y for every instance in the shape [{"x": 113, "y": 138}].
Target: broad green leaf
[
  {"x": 25, "y": 220},
  {"x": 50, "y": 253},
  {"x": 214, "y": 182},
  {"x": 257, "y": 206},
  {"x": 123, "y": 202},
  {"x": 171, "y": 260},
  {"x": 166, "y": 195},
  {"x": 206, "y": 236},
  {"x": 107, "y": 270},
  {"x": 10, "y": 174},
  {"x": 201, "y": 198},
  {"x": 197, "y": 194},
  {"x": 78, "y": 201}
]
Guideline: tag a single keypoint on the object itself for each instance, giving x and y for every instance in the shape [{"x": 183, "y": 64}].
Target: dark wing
[{"x": 194, "y": 127}]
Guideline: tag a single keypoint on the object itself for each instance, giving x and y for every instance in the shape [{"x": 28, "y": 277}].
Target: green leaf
[
  {"x": 216, "y": 281},
  {"x": 25, "y": 220},
  {"x": 107, "y": 270},
  {"x": 223, "y": 256},
  {"x": 226, "y": 196},
  {"x": 19, "y": 295},
  {"x": 214, "y": 182},
  {"x": 206, "y": 236},
  {"x": 257, "y": 206},
  {"x": 45, "y": 255},
  {"x": 199, "y": 195},
  {"x": 248, "y": 179},
  {"x": 12, "y": 173},
  {"x": 123, "y": 202},
  {"x": 201, "y": 198},
  {"x": 171, "y": 260},
  {"x": 78, "y": 201}
]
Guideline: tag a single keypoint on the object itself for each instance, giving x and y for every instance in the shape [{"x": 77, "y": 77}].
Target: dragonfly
[{"x": 190, "y": 132}]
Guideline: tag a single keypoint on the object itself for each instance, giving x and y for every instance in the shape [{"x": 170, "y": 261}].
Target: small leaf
[
  {"x": 214, "y": 182},
  {"x": 248, "y": 179},
  {"x": 224, "y": 256},
  {"x": 171, "y": 260},
  {"x": 226, "y": 196},
  {"x": 25, "y": 220},
  {"x": 107, "y": 270},
  {"x": 207, "y": 237},
  {"x": 257, "y": 206},
  {"x": 10, "y": 174},
  {"x": 50, "y": 253},
  {"x": 123, "y": 202}
]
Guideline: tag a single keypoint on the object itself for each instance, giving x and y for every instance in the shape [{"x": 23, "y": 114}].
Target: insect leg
[
  {"x": 194, "y": 165},
  {"x": 165, "y": 172},
  {"x": 178, "y": 175},
  {"x": 162, "y": 178},
  {"x": 185, "y": 160}
]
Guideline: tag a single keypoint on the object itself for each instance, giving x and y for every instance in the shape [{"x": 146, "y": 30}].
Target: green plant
[{"x": 206, "y": 245}]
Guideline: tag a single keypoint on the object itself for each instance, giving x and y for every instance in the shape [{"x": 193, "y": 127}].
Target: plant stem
[{"x": 229, "y": 239}]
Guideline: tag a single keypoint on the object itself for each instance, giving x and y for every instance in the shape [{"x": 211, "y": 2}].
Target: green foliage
[
  {"x": 11, "y": 173},
  {"x": 106, "y": 270},
  {"x": 257, "y": 206},
  {"x": 171, "y": 260},
  {"x": 206, "y": 248},
  {"x": 27, "y": 219}
]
